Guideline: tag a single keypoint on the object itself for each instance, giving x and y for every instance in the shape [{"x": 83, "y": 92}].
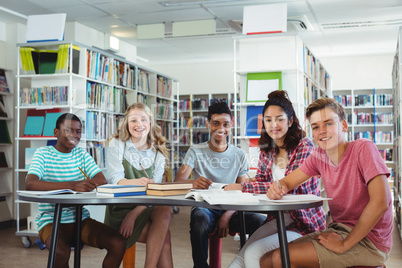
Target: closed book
[
  {"x": 34, "y": 126},
  {"x": 168, "y": 192},
  {"x": 113, "y": 188},
  {"x": 120, "y": 194},
  {"x": 50, "y": 123},
  {"x": 170, "y": 185}
]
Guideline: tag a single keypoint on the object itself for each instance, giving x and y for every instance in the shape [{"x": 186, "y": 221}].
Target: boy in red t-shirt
[{"x": 355, "y": 176}]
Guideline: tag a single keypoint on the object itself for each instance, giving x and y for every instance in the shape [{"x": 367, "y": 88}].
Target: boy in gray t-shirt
[{"x": 215, "y": 161}]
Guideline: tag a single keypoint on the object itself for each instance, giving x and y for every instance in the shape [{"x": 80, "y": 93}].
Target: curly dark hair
[{"x": 295, "y": 132}]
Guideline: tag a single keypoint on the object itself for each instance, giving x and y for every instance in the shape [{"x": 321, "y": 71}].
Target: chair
[{"x": 129, "y": 257}]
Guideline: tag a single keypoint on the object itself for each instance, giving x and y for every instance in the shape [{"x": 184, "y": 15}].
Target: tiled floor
[{"x": 13, "y": 254}]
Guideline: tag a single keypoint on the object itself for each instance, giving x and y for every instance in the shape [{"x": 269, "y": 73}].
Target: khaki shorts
[
  {"x": 362, "y": 254},
  {"x": 90, "y": 230}
]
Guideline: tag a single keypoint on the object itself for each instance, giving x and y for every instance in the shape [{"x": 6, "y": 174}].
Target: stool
[{"x": 129, "y": 257}]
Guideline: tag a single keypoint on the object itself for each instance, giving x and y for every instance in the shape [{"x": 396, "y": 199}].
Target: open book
[
  {"x": 217, "y": 197},
  {"x": 53, "y": 192}
]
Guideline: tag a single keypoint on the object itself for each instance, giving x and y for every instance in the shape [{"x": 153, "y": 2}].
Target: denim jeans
[{"x": 203, "y": 222}]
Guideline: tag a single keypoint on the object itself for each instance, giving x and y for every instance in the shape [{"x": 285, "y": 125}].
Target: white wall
[
  {"x": 2, "y": 31},
  {"x": 80, "y": 33},
  {"x": 200, "y": 78},
  {"x": 356, "y": 72}
]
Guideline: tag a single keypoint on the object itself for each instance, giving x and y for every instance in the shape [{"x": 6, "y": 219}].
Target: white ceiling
[{"x": 363, "y": 26}]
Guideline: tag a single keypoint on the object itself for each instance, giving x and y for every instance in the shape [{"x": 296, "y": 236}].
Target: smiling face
[
  {"x": 276, "y": 123},
  {"x": 138, "y": 125},
  {"x": 68, "y": 135},
  {"x": 219, "y": 127},
  {"x": 328, "y": 129}
]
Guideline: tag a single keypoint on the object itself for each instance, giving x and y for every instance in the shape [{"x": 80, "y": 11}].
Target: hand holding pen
[
  {"x": 250, "y": 179},
  {"x": 276, "y": 191},
  {"x": 87, "y": 179},
  {"x": 146, "y": 174}
]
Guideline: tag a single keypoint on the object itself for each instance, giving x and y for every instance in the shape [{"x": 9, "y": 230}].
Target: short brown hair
[{"x": 323, "y": 103}]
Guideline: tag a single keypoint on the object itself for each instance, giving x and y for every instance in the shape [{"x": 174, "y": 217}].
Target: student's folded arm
[
  {"x": 33, "y": 183},
  {"x": 376, "y": 207}
]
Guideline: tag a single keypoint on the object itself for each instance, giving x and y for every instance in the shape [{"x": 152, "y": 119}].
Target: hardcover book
[
  {"x": 113, "y": 188},
  {"x": 170, "y": 185},
  {"x": 168, "y": 192}
]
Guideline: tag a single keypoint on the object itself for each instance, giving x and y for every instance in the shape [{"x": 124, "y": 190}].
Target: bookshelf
[
  {"x": 397, "y": 154},
  {"x": 96, "y": 86},
  {"x": 265, "y": 59},
  {"x": 6, "y": 146},
  {"x": 192, "y": 114},
  {"x": 369, "y": 113},
  {"x": 281, "y": 61}
]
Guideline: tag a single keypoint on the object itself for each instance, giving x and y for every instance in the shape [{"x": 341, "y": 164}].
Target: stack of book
[
  {"x": 169, "y": 188},
  {"x": 114, "y": 190}
]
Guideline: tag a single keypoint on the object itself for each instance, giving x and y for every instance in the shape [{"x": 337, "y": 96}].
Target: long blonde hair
[{"x": 155, "y": 137}]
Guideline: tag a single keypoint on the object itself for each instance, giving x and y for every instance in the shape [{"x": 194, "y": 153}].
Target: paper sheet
[{"x": 291, "y": 198}]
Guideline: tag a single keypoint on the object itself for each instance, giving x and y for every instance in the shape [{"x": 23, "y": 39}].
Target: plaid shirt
[{"x": 304, "y": 220}]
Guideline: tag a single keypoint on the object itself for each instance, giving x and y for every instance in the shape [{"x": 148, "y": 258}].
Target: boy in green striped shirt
[{"x": 57, "y": 167}]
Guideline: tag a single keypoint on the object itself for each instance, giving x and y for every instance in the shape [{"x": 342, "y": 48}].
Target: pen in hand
[
  {"x": 279, "y": 185},
  {"x": 144, "y": 171},
  {"x": 83, "y": 173},
  {"x": 96, "y": 186}
]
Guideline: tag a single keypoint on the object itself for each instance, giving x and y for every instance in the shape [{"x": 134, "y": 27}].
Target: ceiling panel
[{"x": 119, "y": 17}]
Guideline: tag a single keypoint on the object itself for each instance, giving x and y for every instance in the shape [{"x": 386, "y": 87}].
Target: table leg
[
  {"x": 283, "y": 240},
  {"x": 77, "y": 250},
  {"x": 55, "y": 233},
  {"x": 242, "y": 228}
]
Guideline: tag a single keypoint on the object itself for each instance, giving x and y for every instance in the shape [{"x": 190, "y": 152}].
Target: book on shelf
[
  {"x": 4, "y": 133},
  {"x": 115, "y": 188},
  {"x": 168, "y": 192},
  {"x": 259, "y": 85},
  {"x": 3, "y": 160},
  {"x": 3, "y": 82},
  {"x": 3, "y": 110},
  {"x": 36, "y": 119},
  {"x": 34, "y": 126},
  {"x": 254, "y": 115},
  {"x": 63, "y": 64},
  {"x": 50, "y": 123},
  {"x": 220, "y": 197},
  {"x": 52, "y": 192},
  {"x": 170, "y": 185}
]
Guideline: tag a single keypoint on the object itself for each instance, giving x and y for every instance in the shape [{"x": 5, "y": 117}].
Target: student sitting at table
[
  {"x": 136, "y": 156},
  {"x": 283, "y": 147},
  {"x": 355, "y": 176},
  {"x": 215, "y": 161},
  {"x": 57, "y": 167}
]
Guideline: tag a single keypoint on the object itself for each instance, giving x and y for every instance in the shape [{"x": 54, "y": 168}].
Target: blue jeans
[{"x": 203, "y": 223}]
